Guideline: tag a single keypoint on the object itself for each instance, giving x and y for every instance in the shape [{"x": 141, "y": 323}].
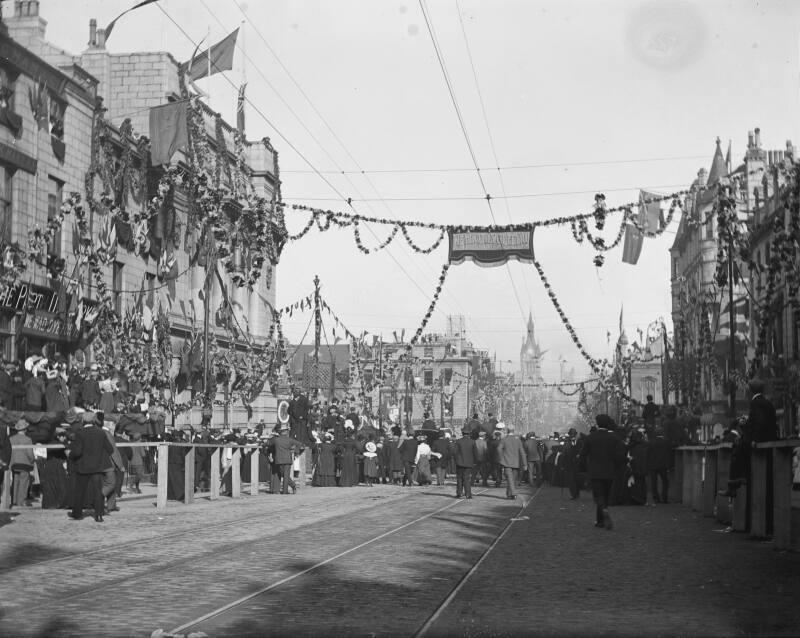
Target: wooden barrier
[
  {"x": 752, "y": 501},
  {"x": 710, "y": 482},
  {"x": 162, "y": 470}
]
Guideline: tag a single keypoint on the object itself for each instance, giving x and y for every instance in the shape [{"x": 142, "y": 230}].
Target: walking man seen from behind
[
  {"x": 512, "y": 459},
  {"x": 603, "y": 454},
  {"x": 465, "y": 461}
]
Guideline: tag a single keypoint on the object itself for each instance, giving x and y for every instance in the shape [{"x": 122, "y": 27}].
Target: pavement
[{"x": 391, "y": 561}]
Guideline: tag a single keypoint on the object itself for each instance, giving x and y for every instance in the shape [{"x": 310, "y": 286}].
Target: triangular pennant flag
[{"x": 111, "y": 24}]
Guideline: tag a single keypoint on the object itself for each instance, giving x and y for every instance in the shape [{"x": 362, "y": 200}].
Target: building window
[
  {"x": 427, "y": 378},
  {"x": 6, "y": 190},
  {"x": 448, "y": 375},
  {"x": 428, "y": 352},
  {"x": 55, "y": 196},
  {"x": 117, "y": 286}
]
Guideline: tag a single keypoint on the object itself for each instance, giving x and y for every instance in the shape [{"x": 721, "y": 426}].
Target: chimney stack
[
  {"x": 101, "y": 38},
  {"x": 750, "y": 139},
  {"x": 92, "y": 32},
  {"x": 758, "y": 137}
]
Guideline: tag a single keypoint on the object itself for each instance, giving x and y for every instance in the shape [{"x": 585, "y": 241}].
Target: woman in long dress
[
  {"x": 325, "y": 471},
  {"x": 423, "y": 461},
  {"x": 349, "y": 458}
]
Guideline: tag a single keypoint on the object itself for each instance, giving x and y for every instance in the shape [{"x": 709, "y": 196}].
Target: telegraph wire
[
  {"x": 510, "y": 167},
  {"x": 313, "y": 137},
  {"x": 451, "y": 91},
  {"x": 491, "y": 144},
  {"x": 295, "y": 149}
]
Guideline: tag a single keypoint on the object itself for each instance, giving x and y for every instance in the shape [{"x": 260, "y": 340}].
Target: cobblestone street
[{"x": 391, "y": 561}]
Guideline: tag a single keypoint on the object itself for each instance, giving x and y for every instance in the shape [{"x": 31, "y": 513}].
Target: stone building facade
[{"x": 35, "y": 180}]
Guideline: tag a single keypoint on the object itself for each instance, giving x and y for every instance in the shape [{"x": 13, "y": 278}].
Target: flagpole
[
  {"x": 731, "y": 329},
  {"x": 208, "y": 77}
]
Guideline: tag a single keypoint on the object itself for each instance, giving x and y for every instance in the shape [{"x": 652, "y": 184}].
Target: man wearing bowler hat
[
  {"x": 91, "y": 450},
  {"x": 285, "y": 447}
]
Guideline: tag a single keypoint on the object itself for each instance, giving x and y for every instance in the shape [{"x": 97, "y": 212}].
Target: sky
[{"x": 559, "y": 99}]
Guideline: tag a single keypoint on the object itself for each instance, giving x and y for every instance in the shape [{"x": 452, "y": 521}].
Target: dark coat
[
  {"x": 762, "y": 421},
  {"x": 441, "y": 446},
  {"x": 604, "y": 452},
  {"x": 408, "y": 450},
  {"x": 284, "y": 446},
  {"x": 6, "y": 389},
  {"x": 91, "y": 450},
  {"x": 465, "y": 452},
  {"x": 5, "y": 445},
  {"x": 659, "y": 454}
]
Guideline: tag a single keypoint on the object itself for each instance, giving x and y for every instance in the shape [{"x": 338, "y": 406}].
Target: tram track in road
[
  {"x": 375, "y": 562},
  {"x": 127, "y": 574},
  {"x": 117, "y": 547}
]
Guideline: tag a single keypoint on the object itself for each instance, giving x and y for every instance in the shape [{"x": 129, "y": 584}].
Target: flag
[
  {"x": 632, "y": 247},
  {"x": 240, "y": 110},
  {"x": 217, "y": 58},
  {"x": 741, "y": 314},
  {"x": 39, "y": 105},
  {"x": 649, "y": 213},
  {"x": 621, "y": 326},
  {"x": 168, "y": 131},
  {"x": 111, "y": 24}
]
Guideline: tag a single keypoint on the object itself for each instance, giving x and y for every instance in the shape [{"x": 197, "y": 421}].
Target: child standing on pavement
[{"x": 370, "y": 462}]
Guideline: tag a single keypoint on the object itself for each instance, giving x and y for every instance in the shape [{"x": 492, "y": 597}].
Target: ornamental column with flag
[
  {"x": 240, "y": 110},
  {"x": 649, "y": 221}
]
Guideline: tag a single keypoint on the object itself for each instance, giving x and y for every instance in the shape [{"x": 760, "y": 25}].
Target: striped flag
[
  {"x": 240, "y": 110},
  {"x": 741, "y": 316}
]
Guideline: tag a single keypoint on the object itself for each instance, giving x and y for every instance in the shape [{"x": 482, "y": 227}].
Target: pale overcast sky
[{"x": 586, "y": 85}]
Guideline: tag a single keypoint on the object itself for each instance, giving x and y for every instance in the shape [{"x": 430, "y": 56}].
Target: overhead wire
[
  {"x": 511, "y": 167},
  {"x": 294, "y": 148},
  {"x": 332, "y": 132},
  {"x": 491, "y": 141},
  {"x": 451, "y": 91}
]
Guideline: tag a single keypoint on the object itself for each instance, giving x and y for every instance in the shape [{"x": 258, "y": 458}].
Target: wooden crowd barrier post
[
  {"x": 161, "y": 490},
  {"x": 758, "y": 494},
  {"x": 188, "y": 477},
  {"x": 723, "y": 474},
  {"x": 688, "y": 474},
  {"x": 697, "y": 480},
  {"x": 236, "y": 472},
  {"x": 213, "y": 488},
  {"x": 254, "y": 476},
  {"x": 677, "y": 478},
  {"x": 710, "y": 482},
  {"x": 5, "y": 496},
  {"x": 739, "y": 516},
  {"x": 782, "y": 496}
]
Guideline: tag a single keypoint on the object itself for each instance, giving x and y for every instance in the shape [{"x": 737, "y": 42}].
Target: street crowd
[{"x": 340, "y": 446}]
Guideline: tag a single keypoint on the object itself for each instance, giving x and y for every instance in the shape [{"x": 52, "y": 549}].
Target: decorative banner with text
[{"x": 491, "y": 247}]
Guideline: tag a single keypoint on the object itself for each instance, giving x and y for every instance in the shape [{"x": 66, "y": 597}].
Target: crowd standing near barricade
[{"x": 341, "y": 444}]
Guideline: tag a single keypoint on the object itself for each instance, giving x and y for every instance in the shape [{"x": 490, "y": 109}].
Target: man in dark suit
[
  {"x": 603, "y": 454},
  {"x": 285, "y": 446},
  {"x": 659, "y": 460},
  {"x": 408, "y": 452},
  {"x": 465, "y": 460},
  {"x": 91, "y": 450},
  {"x": 298, "y": 415}
]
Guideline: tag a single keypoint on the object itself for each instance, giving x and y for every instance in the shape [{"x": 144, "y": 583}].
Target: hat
[
  {"x": 500, "y": 426},
  {"x": 482, "y": 433},
  {"x": 94, "y": 367},
  {"x": 51, "y": 374},
  {"x": 370, "y": 446},
  {"x": 572, "y": 431},
  {"x": 604, "y": 421},
  {"x": 20, "y": 425},
  {"x": 284, "y": 426},
  {"x": 348, "y": 424},
  {"x": 31, "y": 361},
  {"x": 329, "y": 436},
  {"x": 465, "y": 431}
]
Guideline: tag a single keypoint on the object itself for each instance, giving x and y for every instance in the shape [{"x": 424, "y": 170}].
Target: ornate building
[{"x": 530, "y": 362}]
